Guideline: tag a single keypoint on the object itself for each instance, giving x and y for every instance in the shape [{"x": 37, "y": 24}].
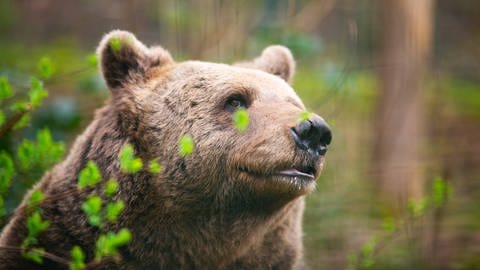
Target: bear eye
[{"x": 235, "y": 102}]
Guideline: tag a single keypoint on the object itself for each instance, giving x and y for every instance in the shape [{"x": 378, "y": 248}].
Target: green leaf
[
  {"x": 103, "y": 247},
  {"x": 89, "y": 176},
  {"x": 128, "y": 162},
  {"x": 389, "y": 225},
  {"x": 2, "y": 208},
  {"x": 115, "y": 44},
  {"x": 304, "y": 116},
  {"x": 37, "y": 93},
  {"x": 78, "y": 259},
  {"x": 368, "y": 263},
  {"x": 6, "y": 90},
  {"x": 369, "y": 247},
  {"x": 111, "y": 188},
  {"x": 352, "y": 261},
  {"x": 122, "y": 237},
  {"x": 43, "y": 153},
  {"x": 36, "y": 198},
  {"x": 23, "y": 122},
  {"x": 417, "y": 208},
  {"x": 2, "y": 118},
  {"x": 29, "y": 241},
  {"x": 48, "y": 150},
  {"x": 26, "y": 154},
  {"x": 114, "y": 209},
  {"x": 34, "y": 254},
  {"x": 35, "y": 225},
  {"x": 45, "y": 68},
  {"x": 241, "y": 119},
  {"x": 92, "y": 60},
  {"x": 186, "y": 145},
  {"x": 107, "y": 245},
  {"x": 44, "y": 140},
  {"x": 7, "y": 170},
  {"x": 95, "y": 220},
  {"x": 154, "y": 167},
  {"x": 92, "y": 207},
  {"x": 368, "y": 250},
  {"x": 20, "y": 106},
  {"x": 441, "y": 191}
]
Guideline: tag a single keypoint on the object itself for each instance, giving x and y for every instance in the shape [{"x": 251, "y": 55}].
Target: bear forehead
[{"x": 214, "y": 77}]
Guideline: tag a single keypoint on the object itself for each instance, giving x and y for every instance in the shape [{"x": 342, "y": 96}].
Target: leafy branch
[{"x": 365, "y": 258}]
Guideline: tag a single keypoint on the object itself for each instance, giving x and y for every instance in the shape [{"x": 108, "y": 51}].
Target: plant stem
[{"x": 11, "y": 122}]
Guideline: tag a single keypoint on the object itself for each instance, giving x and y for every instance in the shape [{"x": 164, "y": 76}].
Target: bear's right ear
[
  {"x": 123, "y": 59},
  {"x": 275, "y": 59}
]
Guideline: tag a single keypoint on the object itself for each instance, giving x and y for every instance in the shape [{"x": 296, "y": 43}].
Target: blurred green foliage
[
  {"x": 464, "y": 95},
  {"x": 5, "y": 88},
  {"x": 45, "y": 68}
]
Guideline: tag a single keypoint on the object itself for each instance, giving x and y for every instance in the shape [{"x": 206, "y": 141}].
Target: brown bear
[{"x": 236, "y": 202}]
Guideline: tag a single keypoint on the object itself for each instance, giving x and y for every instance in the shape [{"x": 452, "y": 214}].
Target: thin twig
[
  {"x": 44, "y": 254},
  {"x": 12, "y": 121}
]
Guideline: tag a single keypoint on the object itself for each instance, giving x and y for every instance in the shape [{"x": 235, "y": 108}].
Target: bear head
[{"x": 275, "y": 160}]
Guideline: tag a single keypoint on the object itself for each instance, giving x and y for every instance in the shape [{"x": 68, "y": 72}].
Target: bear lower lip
[
  {"x": 296, "y": 173},
  {"x": 308, "y": 174}
]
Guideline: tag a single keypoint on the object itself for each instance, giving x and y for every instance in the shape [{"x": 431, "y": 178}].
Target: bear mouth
[
  {"x": 293, "y": 174},
  {"x": 307, "y": 173},
  {"x": 294, "y": 181}
]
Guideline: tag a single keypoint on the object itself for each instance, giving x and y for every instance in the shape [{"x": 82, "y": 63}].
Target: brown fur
[{"x": 203, "y": 211}]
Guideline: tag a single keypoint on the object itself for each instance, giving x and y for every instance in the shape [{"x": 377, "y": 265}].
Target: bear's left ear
[
  {"x": 123, "y": 59},
  {"x": 275, "y": 59}
]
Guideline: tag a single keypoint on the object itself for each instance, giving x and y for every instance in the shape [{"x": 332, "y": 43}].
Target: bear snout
[{"x": 312, "y": 135}]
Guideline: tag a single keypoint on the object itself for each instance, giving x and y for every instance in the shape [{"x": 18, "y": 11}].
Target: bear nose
[{"x": 312, "y": 135}]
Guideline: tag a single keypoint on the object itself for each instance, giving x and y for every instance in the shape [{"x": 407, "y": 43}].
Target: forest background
[{"x": 398, "y": 81}]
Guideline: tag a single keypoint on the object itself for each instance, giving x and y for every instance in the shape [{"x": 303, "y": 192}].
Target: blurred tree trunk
[{"x": 406, "y": 38}]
